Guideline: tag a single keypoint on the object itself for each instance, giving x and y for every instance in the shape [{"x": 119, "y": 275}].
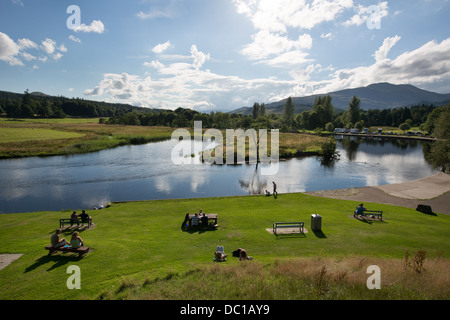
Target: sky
[{"x": 220, "y": 54}]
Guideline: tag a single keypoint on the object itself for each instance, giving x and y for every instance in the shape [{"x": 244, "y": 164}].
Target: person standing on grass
[{"x": 275, "y": 193}]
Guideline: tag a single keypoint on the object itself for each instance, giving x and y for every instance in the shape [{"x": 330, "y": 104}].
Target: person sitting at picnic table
[
  {"x": 76, "y": 241},
  {"x": 195, "y": 219},
  {"x": 204, "y": 220},
  {"x": 85, "y": 218},
  {"x": 359, "y": 210},
  {"x": 74, "y": 218},
  {"x": 186, "y": 221},
  {"x": 56, "y": 241}
]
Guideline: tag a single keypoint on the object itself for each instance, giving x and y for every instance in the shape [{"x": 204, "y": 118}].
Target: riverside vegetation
[
  {"x": 138, "y": 251},
  {"x": 48, "y": 137}
]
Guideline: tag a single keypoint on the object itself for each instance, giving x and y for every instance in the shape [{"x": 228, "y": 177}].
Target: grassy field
[
  {"x": 48, "y": 137},
  {"x": 140, "y": 252},
  {"x": 8, "y": 135}
]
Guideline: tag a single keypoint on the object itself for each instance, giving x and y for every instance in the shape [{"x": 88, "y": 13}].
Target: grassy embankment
[{"x": 140, "y": 252}]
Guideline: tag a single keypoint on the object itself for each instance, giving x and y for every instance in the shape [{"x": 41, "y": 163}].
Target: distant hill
[
  {"x": 43, "y": 96},
  {"x": 374, "y": 96}
]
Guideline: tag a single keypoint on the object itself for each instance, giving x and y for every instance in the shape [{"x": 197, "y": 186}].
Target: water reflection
[{"x": 147, "y": 172}]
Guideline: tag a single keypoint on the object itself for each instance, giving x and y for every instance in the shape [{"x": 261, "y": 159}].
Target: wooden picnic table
[{"x": 212, "y": 220}]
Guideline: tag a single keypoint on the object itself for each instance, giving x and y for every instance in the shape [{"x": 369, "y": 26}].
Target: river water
[{"x": 146, "y": 172}]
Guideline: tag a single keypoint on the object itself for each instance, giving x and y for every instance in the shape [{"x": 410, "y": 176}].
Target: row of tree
[
  {"x": 322, "y": 115},
  {"x": 30, "y": 106}
]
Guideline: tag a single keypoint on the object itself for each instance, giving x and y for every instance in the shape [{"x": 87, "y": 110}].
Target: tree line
[
  {"x": 29, "y": 106},
  {"x": 322, "y": 115}
]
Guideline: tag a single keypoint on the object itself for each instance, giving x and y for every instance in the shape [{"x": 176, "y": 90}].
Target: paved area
[{"x": 432, "y": 191}]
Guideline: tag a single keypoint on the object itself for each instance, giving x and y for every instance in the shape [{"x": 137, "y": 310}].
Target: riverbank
[{"x": 433, "y": 191}]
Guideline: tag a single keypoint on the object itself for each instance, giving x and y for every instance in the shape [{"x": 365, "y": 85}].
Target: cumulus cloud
[
  {"x": 160, "y": 48},
  {"x": 429, "y": 64},
  {"x": 273, "y": 44},
  {"x": 182, "y": 84},
  {"x": 96, "y": 26},
  {"x": 199, "y": 57},
  {"x": 13, "y": 52},
  {"x": 278, "y": 16},
  {"x": 9, "y": 50},
  {"x": 364, "y": 13}
]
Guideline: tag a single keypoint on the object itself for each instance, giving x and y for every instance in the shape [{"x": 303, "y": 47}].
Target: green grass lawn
[
  {"x": 31, "y": 134},
  {"x": 139, "y": 247}
]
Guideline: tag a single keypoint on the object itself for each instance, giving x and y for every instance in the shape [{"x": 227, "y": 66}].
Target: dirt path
[
  {"x": 432, "y": 191},
  {"x": 7, "y": 259}
]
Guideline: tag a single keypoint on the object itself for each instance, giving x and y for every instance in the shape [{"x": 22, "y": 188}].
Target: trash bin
[{"x": 316, "y": 222}]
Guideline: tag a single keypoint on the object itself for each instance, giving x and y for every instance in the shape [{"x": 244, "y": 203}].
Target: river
[{"x": 146, "y": 172}]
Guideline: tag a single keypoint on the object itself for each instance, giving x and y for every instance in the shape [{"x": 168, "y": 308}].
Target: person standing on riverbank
[{"x": 275, "y": 193}]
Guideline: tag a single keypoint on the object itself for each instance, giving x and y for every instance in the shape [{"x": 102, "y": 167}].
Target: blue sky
[{"x": 220, "y": 54}]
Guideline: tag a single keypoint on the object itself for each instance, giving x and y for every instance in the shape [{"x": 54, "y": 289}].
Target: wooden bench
[
  {"x": 63, "y": 222},
  {"x": 378, "y": 214},
  {"x": 81, "y": 250},
  {"x": 298, "y": 225}
]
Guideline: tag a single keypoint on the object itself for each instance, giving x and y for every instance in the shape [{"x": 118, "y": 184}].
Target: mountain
[{"x": 374, "y": 96}]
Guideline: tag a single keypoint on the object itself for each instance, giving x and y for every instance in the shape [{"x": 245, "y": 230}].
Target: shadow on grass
[
  {"x": 69, "y": 230},
  {"x": 290, "y": 235},
  {"x": 198, "y": 230},
  {"x": 319, "y": 234},
  {"x": 370, "y": 221},
  {"x": 59, "y": 260}
]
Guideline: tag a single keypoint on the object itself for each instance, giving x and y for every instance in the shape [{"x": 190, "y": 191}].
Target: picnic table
[
  {"x": 71, "y": 221},
  {"x": 81, "y": 250},
  {"x": 212, "y": 221},
  {"x": 370, "y": 213}
]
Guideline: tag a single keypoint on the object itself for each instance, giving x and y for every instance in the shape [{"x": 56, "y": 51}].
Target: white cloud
[
  {"x": 199, "y": 57},
  {"x": 364, "y": 13},
  {"x": 160, "y": 48},
  {"x": 429, "y": 64},
  {"x": 154, "y": 64},
  {"x": 278, "y": 16},
  {"x": 182, "y": 84},
  {"x": 276, "y": 21},
  {"x": 13, "y": 52},
  {"x": 155, "y": 14},
  {"x": 9, "y": 50},
  {"x": 74, "y": 39},
  {"x": 26, "y": 44},
  {"x": 62, "y": 48},
  {"x": 383, "y": 51},
  {"x": 18, "y": 2},
  {"x": 96, "y": 26},
  {"x": 48, "y": 45},
  {"x": 327, "y": 36}
]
